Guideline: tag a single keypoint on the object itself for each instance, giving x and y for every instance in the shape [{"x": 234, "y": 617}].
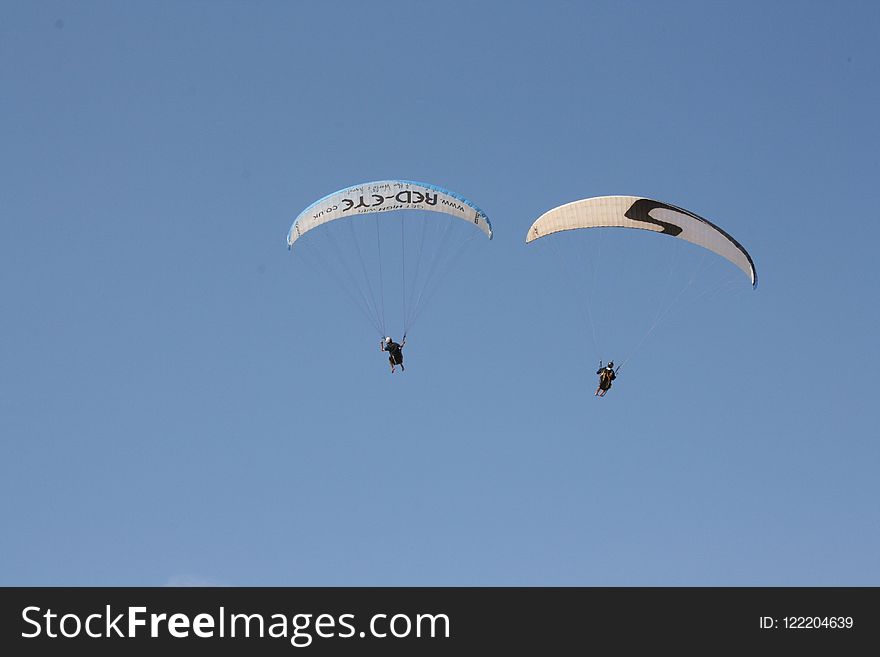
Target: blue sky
[{"x": 182, "y": 401}]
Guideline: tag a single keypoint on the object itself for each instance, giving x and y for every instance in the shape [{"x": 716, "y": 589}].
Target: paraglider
[
  {"x": 388, "y": 244},
  {"x": 631, "y": 280}
]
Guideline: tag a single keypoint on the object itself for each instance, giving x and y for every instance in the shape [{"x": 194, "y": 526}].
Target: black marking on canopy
[{"x": 640, "y": 211}]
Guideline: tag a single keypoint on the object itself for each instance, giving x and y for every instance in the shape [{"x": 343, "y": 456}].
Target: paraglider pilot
[
  {"x": 395, "y": 351},
  {"x": 606, "y": 376}
]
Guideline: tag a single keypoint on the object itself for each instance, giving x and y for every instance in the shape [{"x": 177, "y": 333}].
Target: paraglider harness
[
  {"x": 395, "y": 355},
  {"x": 606, "y": 376}
]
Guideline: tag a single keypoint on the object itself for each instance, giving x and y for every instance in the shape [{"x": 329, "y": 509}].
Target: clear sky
[{"x": 182, "y": 401}]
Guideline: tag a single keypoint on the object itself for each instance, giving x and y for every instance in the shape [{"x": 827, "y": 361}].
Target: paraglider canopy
[
  {"x": 386, "y": 196},
  {"x": 644, "y": 214}
]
